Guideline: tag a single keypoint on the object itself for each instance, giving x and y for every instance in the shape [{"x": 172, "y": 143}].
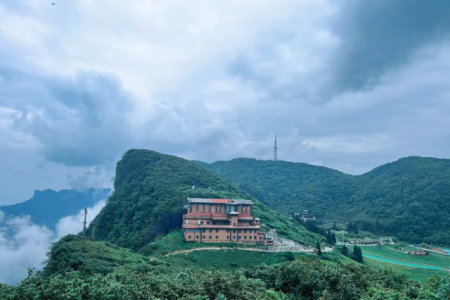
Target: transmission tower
[{"x": 275, "y": 150}]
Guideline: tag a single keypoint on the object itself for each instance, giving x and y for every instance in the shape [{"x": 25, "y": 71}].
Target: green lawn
[
  {"x": 229, "y": 259},
  {"x": 420, "y": 274},
  {"x": 174, "y": 241}
]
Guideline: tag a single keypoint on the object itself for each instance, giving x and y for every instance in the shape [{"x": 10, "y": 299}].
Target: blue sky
[{"x": 345, "y": 84}]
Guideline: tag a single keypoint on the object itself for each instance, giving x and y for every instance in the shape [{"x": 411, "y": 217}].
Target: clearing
[{"x": 418, "y": 267}]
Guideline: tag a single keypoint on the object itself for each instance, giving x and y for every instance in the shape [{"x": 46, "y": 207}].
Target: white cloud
[
  {"x": 74, "y": 224},
  {"x": 23, "y": 244}
]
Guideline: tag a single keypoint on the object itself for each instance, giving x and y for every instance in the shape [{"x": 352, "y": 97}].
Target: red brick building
[{"x": 220, "y": 221}]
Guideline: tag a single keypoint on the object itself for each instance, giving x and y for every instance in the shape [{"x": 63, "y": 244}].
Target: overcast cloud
[{"x": 345, "y": 84}]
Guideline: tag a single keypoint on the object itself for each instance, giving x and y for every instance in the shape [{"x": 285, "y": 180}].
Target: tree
[
  {"x": 334, "y": 226},
  {"x": 357, "y": 254},
  {"x": 333, "y": 238},
  {"x": 318, "y": 248}
]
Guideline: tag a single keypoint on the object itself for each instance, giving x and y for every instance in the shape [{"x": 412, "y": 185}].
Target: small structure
[
  {"x": 370, "y": 242},
  {"x": 306, "y": 216},
  {"x": 417, "y": 252}
]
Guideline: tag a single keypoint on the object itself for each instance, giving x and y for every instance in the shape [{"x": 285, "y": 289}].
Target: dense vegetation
[
  {"x": 49, "y": 206},
  {"x": 410, "y": 197},
  {"x": 140, "y": 224},
  {"x": 150, "y": 189},
  {"x": 104, "y": 271}
]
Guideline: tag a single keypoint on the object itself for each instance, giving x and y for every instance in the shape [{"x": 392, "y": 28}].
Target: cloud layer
[
  {"x": 345, "y": 84},
  {"x": 23, "y": 245}
]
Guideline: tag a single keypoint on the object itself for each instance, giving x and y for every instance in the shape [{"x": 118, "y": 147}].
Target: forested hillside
[
  {"x": 150, "y": 189},
  {"x": 47, "y": 207},
  {"x": 410, "y": 197}
]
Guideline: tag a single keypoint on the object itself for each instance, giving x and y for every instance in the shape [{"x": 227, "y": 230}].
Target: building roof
[{"x": 218, "y": 201}]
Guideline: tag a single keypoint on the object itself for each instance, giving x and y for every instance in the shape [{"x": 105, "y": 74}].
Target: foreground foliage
[
  {"x": 303, "y": 278},
  {"x": 409, "y": 198}
]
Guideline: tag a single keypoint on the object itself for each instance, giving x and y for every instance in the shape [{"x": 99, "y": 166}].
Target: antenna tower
[{"x": 275, "y": 150}]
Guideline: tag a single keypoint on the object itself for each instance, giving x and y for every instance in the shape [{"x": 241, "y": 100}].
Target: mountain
[
  {"x": 149, "y": 193},
  {"x": 48, "y": 207},
  {"x": 150, "y": 189},
  {"x": 410, "y": 197}
]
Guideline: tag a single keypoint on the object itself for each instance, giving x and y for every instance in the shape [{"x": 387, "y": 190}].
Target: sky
[{"x": 346, "y": 84}]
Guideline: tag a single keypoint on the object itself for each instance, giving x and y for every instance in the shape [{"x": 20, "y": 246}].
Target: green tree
[
  {"x": 319, "y": 251},
  {"x": 357, "y": 254}
]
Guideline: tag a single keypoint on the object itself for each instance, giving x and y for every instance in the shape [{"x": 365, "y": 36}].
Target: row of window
[
  {"x": 218, "y": 208},
  {"x": 228, "y": 237},
  {"x": 234, "y": 230}
]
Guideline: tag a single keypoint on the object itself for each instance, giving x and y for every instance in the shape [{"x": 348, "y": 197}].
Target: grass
[
  {"x": 175, "y": 241},
  {"x": 229, "y": 259},
  {"x": 433, "y": 260}
]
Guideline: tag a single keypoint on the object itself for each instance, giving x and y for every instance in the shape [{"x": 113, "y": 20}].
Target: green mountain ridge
[
  {"x": 150, "y": 189},
  {"x": 410, "y": 196}
]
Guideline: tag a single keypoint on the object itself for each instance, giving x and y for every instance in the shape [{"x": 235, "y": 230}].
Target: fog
[{"x": 24, "y": 245}]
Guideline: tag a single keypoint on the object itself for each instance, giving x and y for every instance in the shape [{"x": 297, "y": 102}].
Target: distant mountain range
[
  {"x": 410, "y": 197},
  {"x": 48, "y": 207}
]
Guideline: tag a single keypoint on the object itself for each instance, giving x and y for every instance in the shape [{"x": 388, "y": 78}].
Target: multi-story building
[{"x": 221, "y": 220}]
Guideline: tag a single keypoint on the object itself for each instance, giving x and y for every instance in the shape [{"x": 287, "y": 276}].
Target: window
[
  {"x": 207, "y": 222},
  {"x": 201, "y": 222},
  {"x": 210, "y": 230},
  {"x": 250, "y": 237},
  {"x": 203, "y": 207},
  {"x": 196, "y": 237},
  {"x": 228, "y": 237},
  {"x": 203, "y": 237},
  {"x": 239, "y": 237},
  {"x": 245, "y": 237},
  {"x": 234, "y": 230},
  {"x": 245, "y": 230},
  {"x": 187, "y": 222},
  {"x": 190, "y": 209},
  {"x": 255, "y": 237},
  {"x": 239, "y": 231},
  {"x": 217, "y": 237},
  {"x": 234, "y": 223},
  {"x": 190, "y": 237},
  {"x": 210, "y": 237},
  {"x": 217, "y": 230},
  {"x": 216, "y": 209},
  {"x": 204, "y": 230},
  {"x": 234, "y": 237},
  {"x": 228, "y": 230}
]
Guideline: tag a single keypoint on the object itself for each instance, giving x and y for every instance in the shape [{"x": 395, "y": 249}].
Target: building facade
[{"x": 221, "y": 221}]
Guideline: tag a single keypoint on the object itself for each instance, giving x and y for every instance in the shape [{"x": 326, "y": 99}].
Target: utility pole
[
  {"x": 93, "y": 229},
  {"x": 275, "y": 150},
  {"x": 84, "y": 224}
]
